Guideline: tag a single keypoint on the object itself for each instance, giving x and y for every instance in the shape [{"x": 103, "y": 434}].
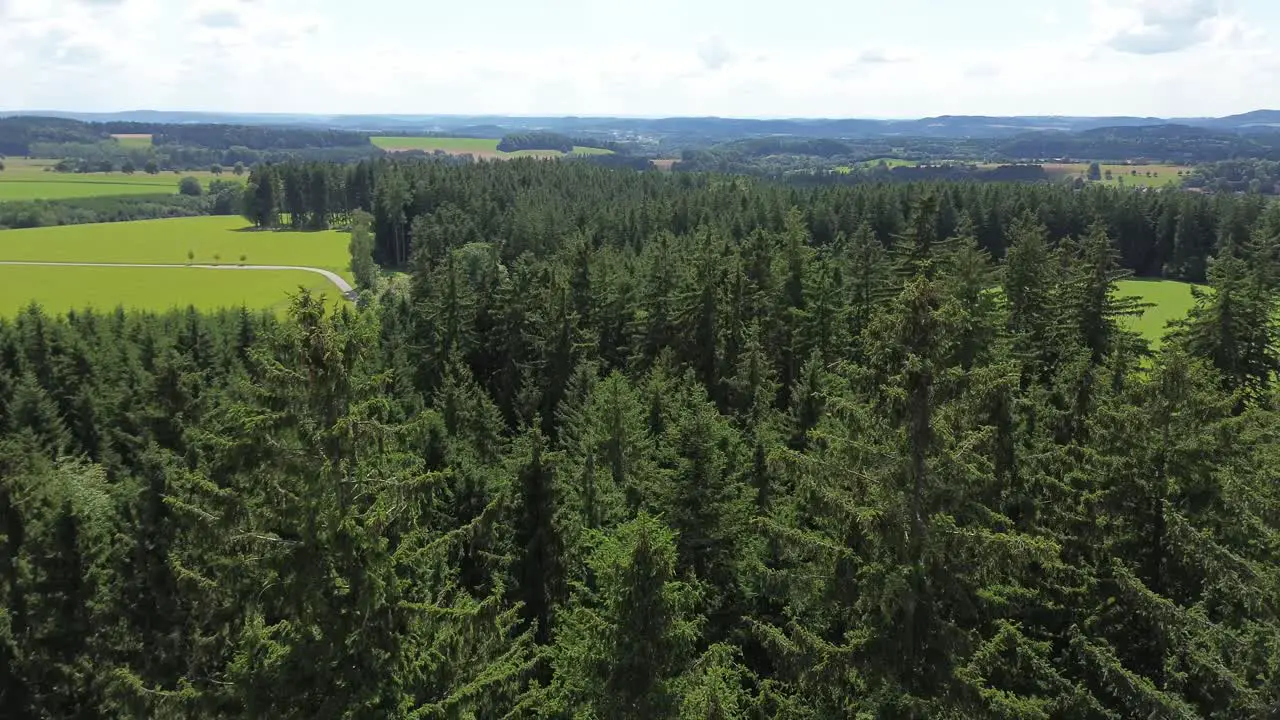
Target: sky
[{"x": 731, "y": 58}]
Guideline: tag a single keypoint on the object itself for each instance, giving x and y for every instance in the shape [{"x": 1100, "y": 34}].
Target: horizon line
[{"x": 607, "y": 116}]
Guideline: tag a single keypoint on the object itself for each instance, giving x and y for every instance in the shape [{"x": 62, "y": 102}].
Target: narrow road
[{"x": 333, "y": 277}]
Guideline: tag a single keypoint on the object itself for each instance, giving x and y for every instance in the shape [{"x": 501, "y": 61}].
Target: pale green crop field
[
  {"x": 1134, "y": 175},
  {"x": 133, "y": 140},
  {"x": 59, "y": 289},
  {"x": 480, "y": 147},
  {"x": 217, "y": 239},
  {"x": 35, "y": 180}
]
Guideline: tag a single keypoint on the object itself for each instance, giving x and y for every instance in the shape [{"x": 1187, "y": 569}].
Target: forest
[
  {"x": 1252, "y": 176},
  {"x": 551, "y": 141},
  {"x": 536, "y": 141},
  {"x": 1160, "y": 143},
  {"x": 640, "y": 445},
  {"x": 176, "y": 147},
  {"x": 1167, "y": 233},
  {"x": 959, "y": 157},
  {"x": 18, "y": 133},
  {"x": 224, "y": 137}
]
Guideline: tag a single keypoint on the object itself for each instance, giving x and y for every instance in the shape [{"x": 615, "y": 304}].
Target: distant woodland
[{"x": 1168, "y": 233}]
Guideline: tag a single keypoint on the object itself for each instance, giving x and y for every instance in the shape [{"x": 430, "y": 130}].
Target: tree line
[
  {"x": 535, "y": 141},
  {"x": 17, "y": 134},
  {"x": 540, "y": 140},
  {"x": 223, "y": 197},
  {"x": 225, "y": 137},
  {"x": 627, "y": 445},
  {"x": 1251, "y": 176},
  {"x": 1180, "y": 144},
  {"x": 111, "y": 156}
]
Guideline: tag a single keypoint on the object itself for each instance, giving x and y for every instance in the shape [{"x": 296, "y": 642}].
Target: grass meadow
[
  {"x": 36, "y": 180},
  {"x": 1170, "y": 300},
  {"x": 210, "y": 239},
  {"x": 480, "y": 147}
]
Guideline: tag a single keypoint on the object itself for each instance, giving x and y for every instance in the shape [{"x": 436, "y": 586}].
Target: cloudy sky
[{"x": 751, "y": 58}]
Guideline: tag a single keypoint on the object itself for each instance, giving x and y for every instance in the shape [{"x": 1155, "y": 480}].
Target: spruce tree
[
  {"x": 1028, "y": 284},
  {"x": 870, "y": 278},
  {"x": 623, "y": 647},
  {"x": 1234, "y": 327},
  {"x": 539, "y": 564}
]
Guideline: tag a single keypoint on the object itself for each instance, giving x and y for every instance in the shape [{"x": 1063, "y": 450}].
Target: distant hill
[
  {"x": 1258, "y": 119},
  {"x": 1167, "y": 143},
  {"x": 707, "y": 128}
]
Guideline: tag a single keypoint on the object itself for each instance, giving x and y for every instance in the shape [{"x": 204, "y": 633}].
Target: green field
[
  {"x": 167, "y": 241},
  {"x": 35, "y": 180},
  {"x": 1172, "y": 300},
  {"x": 480, "y": 147},
  {"x": 58, "y": 290},
  {"x": 211, "y": 239}
]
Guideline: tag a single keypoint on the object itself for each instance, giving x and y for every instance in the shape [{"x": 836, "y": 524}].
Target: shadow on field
[{"x": 252, "y": 229}]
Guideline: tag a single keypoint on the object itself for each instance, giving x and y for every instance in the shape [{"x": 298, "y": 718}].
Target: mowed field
[
  {"x": 1134, "y": 175},
  {"x": 479, "y": 147},
  {"x": 59, "y": 289},
  {"x": 35, "y": 180},
  {"x": 211, "y": 240}
]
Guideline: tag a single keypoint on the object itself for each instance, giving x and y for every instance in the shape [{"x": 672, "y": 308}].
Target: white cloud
[
  {"x": 877, "y": 56},
  {"x": 220, "y": 19},
  {"x": 714, "y": 53},
  {"x": 982, "y": 70},
  {"x": 1152, "y": 27},
  {"x": 284, "y": 56}
]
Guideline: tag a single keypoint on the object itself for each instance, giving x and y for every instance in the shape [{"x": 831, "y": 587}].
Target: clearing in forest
[
  {"x": 1170, "y": 300},
  {"x": 479, "y": 147}
]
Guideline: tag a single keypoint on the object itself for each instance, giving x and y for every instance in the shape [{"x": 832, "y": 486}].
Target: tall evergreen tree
[
  {"x": 623, "y": 647},
  {"x": 540, "y": 571}
]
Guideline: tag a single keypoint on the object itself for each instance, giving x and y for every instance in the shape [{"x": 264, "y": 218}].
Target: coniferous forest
[{"x": 642, "y": 445}]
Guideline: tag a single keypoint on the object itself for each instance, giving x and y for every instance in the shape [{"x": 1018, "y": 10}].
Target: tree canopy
[{"x": 626, "y": 445}]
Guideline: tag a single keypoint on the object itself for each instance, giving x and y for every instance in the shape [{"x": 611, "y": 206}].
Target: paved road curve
[{"x": 334, "y": 278}]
